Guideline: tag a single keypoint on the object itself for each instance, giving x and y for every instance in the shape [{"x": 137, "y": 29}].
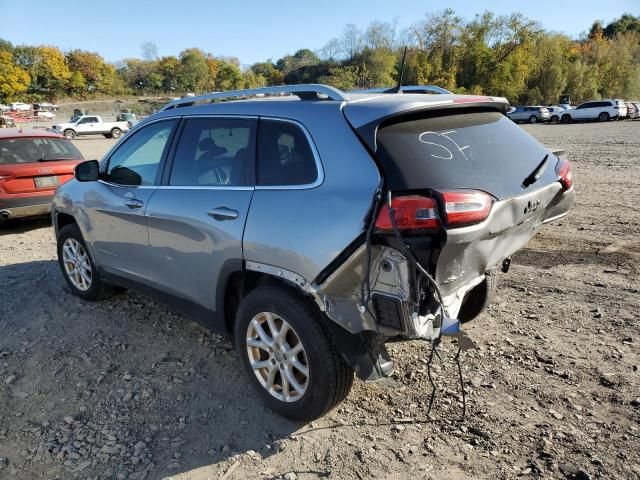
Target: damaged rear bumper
[{"x": 395, "y": 307}]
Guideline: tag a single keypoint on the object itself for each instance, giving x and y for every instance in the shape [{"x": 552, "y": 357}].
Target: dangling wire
[
  {"x": 436, "y": 341},
  {"x": 460, "y": 377}
]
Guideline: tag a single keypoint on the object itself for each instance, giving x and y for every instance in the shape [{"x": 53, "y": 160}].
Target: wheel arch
[
  {"x": 239, "y": 281},
  {"x": 62, "y": 219}
]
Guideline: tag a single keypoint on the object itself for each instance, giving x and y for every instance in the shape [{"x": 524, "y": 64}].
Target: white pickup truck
[{"x": 91, "y": 125}]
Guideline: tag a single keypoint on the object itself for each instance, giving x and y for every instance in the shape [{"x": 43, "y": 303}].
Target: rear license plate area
[{"x": 45, "y": 182}]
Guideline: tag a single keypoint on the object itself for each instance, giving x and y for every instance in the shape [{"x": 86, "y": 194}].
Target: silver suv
[{"x": 312, "y": 225}]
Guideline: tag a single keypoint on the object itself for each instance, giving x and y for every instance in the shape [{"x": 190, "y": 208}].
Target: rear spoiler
[{"x": 368, "y": 132}]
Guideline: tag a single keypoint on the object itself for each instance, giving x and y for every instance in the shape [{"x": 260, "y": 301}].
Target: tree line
[{"x": 506, "y": 55}]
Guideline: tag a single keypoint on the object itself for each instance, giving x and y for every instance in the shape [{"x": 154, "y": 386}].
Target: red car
[{"x": 33, "y": 162}]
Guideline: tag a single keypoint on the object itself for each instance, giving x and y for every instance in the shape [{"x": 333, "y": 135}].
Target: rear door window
[
  {"x": 482, "y": 150},
  {"x": 285, "y": 157},
  {"x": 214, "y": 152}
]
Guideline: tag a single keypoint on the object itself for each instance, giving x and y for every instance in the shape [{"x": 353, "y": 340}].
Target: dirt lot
[{"x": 126, "y": 389}]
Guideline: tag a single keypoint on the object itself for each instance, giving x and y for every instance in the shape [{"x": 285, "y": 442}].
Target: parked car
[
  {"x": 91, "y": 125},
  {"x": 130, "y": 118},
  {"x": 19, "y": 107},
  {"x": 45, "y": 114},
  {"x": 531, "y": 114},
  {"x": 45, "y": 106},
  {"x": 632, "y": 110},
  {"x": 601, "y": 110},
  {"x": 246, "y": 216},
  {"x": 4, "y": 108},
  {"x": 7, "y": 122},
  {"x": 33, "y": 162},
  {"x": 555, "y": 113}
]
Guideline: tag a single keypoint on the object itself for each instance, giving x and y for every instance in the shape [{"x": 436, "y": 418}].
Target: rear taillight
[
  {"x": 465, "y": 207},
  {"x": 411, "y": 212},
  {"x": 566, "y": 175}
]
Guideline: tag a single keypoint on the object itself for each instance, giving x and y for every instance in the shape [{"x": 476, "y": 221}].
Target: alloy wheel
[
  {"x": 277, "y": 357},
  {"x": 76, "y": 264}
]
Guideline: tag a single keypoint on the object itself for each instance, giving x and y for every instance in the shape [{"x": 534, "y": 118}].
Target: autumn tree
[{"x": 13, "y": 79}]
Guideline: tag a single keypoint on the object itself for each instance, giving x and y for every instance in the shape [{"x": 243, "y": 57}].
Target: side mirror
[{"x": 88, "y": 171}]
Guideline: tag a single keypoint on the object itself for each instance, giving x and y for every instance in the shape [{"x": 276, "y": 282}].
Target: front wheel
[
  {"x": 116, "y": 133},
  {"x": 289, "y": 355},
  {"x": 70, "y": 134},
  {"x": 566, "y": 118},
  {"x": 533, "y": 119},
  {"x": 554, "y": 119},
  {"x": 78, "y": 268}
]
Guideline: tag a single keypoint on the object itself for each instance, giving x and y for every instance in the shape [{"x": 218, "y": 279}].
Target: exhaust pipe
[{"x": 4, "y": 214}]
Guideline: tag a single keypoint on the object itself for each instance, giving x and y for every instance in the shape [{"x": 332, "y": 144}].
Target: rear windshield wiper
[{"x": 537, "y": 173}]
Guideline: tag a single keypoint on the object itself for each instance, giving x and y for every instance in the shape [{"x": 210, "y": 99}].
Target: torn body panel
[
  {"x": 393, "y": 306},
  {"x": 471, "y": 251}
]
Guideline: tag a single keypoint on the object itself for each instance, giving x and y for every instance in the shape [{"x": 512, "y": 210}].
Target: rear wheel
[
  {"x": 70, "y": 134},
  {"x": 554, "y": 119},
  {"x": 78, "y": 268},
  {"x": 533, "y": 119},
  {"x": 288, "y": 354},
  {"x": 116, "y": 133},
  {"x": 603, "y": 117},
  {"x": 566, "y": 118},
  {"x": 478, "y": 298}
]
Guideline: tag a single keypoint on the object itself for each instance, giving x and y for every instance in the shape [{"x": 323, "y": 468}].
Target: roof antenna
[{"x": 398, "y": 88}]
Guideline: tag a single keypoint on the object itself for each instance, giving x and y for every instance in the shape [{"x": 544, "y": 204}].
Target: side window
[
  {"x": 213, "y": 152},
  {"x": 137, "y": 160},
  {"x": 284, "y": 155}
]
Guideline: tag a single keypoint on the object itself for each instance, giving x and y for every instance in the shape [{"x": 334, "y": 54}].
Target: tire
[
  {"x": 554, "y": 119},
  {"x": 97, "y": 289},
  {"x": 566, "y": 118},
  {"x": 533, "y": 119},
  {"x": 328, "y": 378},
  {"x": 478, "y": 298},
  {"x": 603, "y": 117},
  {"x": 70, "y": 134},
  {"x": 106, "y": 135},
  {"x": 116, "y": 133}
]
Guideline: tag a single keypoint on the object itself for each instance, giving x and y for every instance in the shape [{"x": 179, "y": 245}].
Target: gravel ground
[{"x": 126, "y": 389}]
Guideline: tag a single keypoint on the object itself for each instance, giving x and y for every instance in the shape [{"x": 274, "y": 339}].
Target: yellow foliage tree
[{"x": 13, "y": 79}]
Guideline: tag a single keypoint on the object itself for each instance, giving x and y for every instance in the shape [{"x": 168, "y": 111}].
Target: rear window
[
  {"x": 482, "y": 150},
  {"x": 30, "y": 150},
  {"x": 285, "y": 157}
]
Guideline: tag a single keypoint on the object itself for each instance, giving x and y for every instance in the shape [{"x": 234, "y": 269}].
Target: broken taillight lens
[
  {"x": 465, "y": 207},
  {"x": 566, "y": 175},
  {"x": 411, "y": 212}
]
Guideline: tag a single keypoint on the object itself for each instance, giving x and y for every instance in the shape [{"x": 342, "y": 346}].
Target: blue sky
[{"x": 252, "y": 30}]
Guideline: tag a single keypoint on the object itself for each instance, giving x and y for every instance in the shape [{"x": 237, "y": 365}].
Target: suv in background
[
  {"x": 555, "y": 113},
  {"x": 601, "y": 110},
  {"x": 531, "y": 114},
  {"x": 303, "y": 226},
  {"x": 633, "y": 111}
]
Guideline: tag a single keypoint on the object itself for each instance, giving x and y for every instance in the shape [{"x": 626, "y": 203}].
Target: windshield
[
  {"x": 472, "y": 149},
  {"x": 31, "y": 150}
]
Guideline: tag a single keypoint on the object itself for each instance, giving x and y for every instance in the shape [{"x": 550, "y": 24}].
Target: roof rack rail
[{"x": 304, "y": 91}]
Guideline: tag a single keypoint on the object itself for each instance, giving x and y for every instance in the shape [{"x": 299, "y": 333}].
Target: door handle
[
  {"x": 134, "y": 203},
  {"x": 223, "y": 213}
]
